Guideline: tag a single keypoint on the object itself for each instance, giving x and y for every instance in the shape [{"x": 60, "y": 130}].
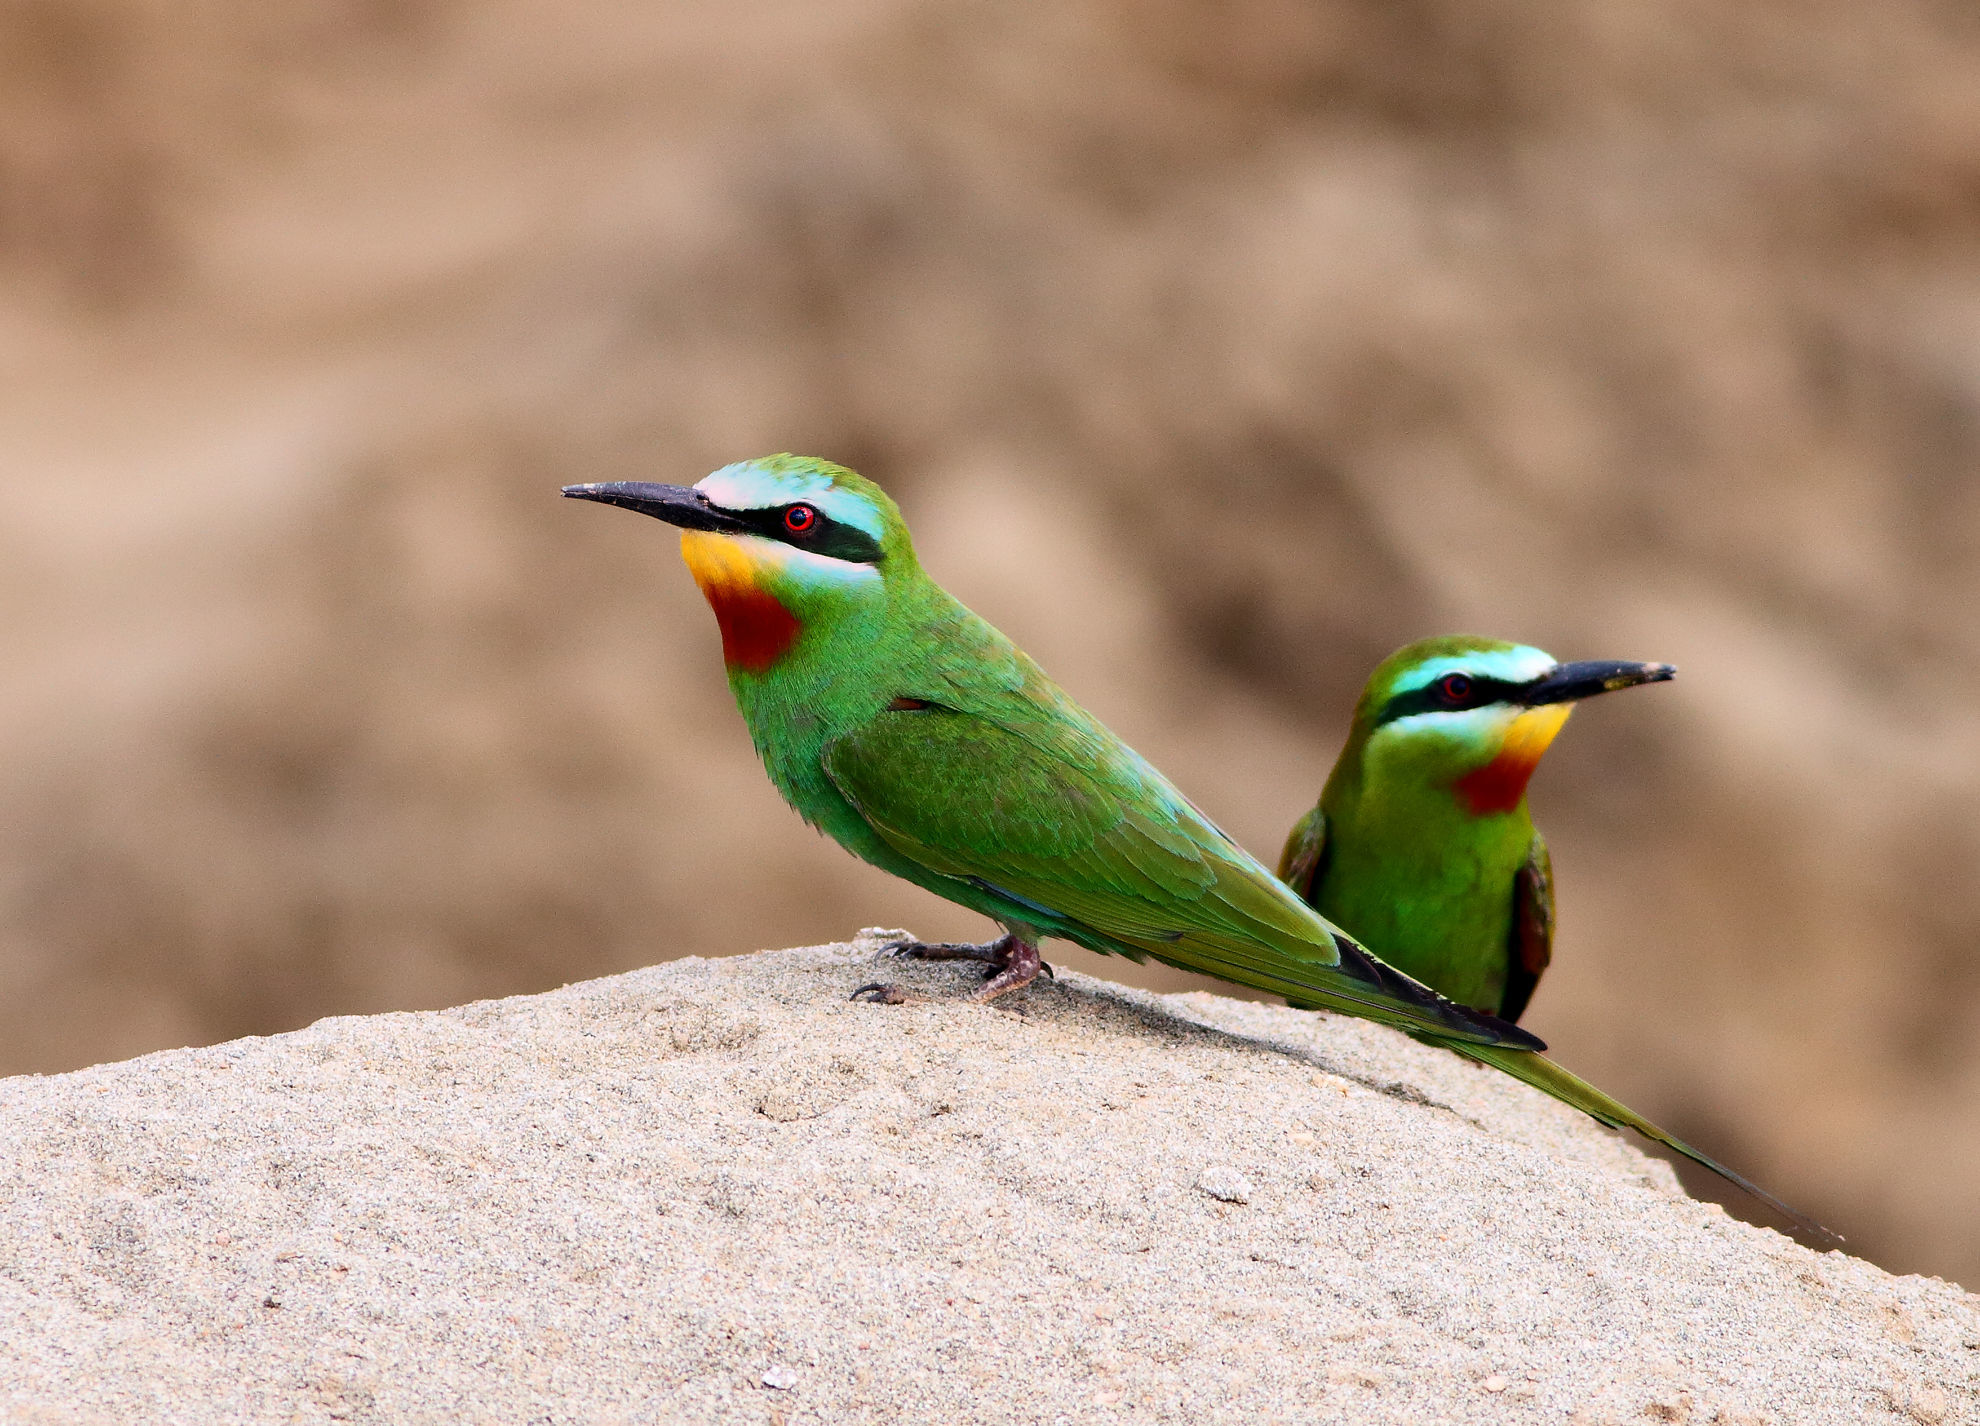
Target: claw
[{"x": 883, "y": 993}]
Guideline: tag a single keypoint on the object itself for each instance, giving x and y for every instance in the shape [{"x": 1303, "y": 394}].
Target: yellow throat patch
[
  {"x": 1501, "y": 783},
  {"x": 757, "y": 629}
]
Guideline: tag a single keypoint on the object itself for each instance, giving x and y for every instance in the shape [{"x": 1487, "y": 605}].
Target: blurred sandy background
[{"x": 1213, "y": 350}]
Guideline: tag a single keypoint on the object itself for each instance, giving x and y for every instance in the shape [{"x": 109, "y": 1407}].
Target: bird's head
[
  {"x": 778, "y": 545},
  {"x": 1476, "y": 715}
]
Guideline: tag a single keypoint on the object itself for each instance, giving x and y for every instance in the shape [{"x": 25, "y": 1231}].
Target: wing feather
[
  {"x": 1074, "y": 822},
  {"x": 1532, "y": 941},
  {"x": 1305, "y": 854}
]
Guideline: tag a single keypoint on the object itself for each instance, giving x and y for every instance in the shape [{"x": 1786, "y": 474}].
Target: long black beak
[
  {"x": 1567, "y": 682},
  {"x": 676, "y": 504}
]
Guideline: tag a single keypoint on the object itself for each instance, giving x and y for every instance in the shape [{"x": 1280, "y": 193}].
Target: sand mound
[{"x": 717, "y": 1190}]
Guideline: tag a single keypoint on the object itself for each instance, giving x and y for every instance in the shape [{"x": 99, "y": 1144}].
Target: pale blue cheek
[
  {"x": 814, "y": 572},
  {"x": 1456, "y": 740},
  {"x": 800, "y": 578}
]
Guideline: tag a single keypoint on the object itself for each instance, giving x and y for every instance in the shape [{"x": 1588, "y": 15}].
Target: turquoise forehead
[
  {"x": 757, "y": 485},
  {"x": 1516, "y": 663}
]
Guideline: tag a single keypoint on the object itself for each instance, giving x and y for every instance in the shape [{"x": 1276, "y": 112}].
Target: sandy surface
[{"x": 717, "y": 1191}]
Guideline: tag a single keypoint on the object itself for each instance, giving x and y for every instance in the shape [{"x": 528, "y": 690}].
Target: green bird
[
  {"x": 1422, "y": 842},
  {"x": 923, "y": 741}
]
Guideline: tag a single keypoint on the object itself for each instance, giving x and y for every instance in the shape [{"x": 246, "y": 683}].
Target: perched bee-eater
[
  {"x": 1422, "y": 844},
  {"x": 921, "y": 739}
]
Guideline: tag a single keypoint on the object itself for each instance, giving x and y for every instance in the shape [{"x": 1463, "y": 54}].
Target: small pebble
[
  {"x": 780, "y": 1378},
  {"x": 1225, "y": 1182}
]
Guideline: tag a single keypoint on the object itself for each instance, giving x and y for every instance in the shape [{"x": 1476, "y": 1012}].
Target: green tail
[{"x": 1543, "y": 1074}]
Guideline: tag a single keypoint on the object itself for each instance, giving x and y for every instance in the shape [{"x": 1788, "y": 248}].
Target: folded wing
[{"x": 1070, "y": 821}]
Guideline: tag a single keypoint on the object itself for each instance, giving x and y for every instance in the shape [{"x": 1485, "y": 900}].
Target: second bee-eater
[
  {"x": 1422, "y": 843},
  {"x": 922, "y": 740}
]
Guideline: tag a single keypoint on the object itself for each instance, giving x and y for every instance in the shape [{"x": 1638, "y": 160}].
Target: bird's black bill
[
  {"x": 1569, "y": 682},
  {"x": 676, "y": 504}
]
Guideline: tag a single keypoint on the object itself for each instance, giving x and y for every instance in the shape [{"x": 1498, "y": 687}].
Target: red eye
[
  {"x": 799, "y": 519},
  {"x": 1455, "y": 687}
]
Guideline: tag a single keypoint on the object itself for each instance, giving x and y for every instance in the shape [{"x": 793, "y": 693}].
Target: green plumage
[
  {"x": 907, "y": 728},
  {"x": 1004, "y": 795},
  {"x": 1463, "y": 904}
]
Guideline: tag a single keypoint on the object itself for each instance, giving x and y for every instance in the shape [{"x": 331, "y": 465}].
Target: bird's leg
[
  {"x": 991, "y": 951},
  {"x": 1014, "y": 963},
  {"x": 997, "y": 953}
]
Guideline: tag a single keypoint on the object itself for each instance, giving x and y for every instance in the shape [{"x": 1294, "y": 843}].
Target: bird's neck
[
  {"x": 1409, "y": 813},
  {"x": 843, "y": 671},
  {"x": 842, "y": 663}
]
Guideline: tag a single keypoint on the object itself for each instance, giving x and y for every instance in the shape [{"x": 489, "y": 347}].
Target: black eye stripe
[
  {"x": 1432, "y": 698},
  {"x": 823, "y": 536}
]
